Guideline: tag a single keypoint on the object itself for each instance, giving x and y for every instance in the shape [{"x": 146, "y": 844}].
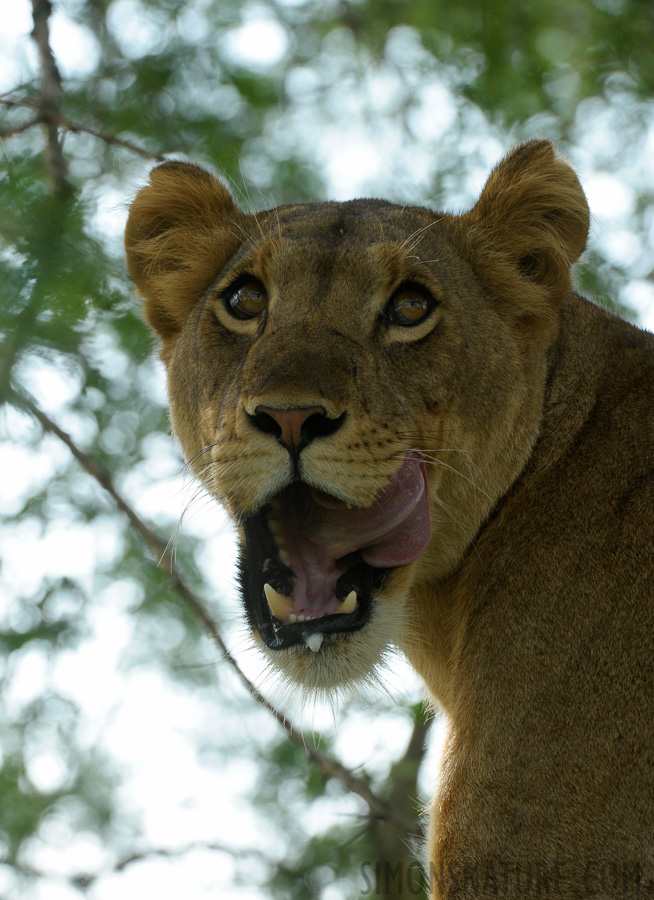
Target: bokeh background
[{"x": 135, "y": 761}]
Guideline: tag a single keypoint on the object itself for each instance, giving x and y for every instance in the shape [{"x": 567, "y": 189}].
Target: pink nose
[{"x": 291, "y": 423}]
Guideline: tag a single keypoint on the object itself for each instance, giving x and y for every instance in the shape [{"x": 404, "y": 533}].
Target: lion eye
[
  {"x": 408, "y": 306},
  {"x": 247, "y": 300}
]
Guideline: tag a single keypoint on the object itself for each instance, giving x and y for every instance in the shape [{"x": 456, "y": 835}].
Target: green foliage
[{"x": 27, "y": 807}]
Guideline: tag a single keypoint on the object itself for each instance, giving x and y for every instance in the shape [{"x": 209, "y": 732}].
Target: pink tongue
[
  {"x": 394, "y": 531},
  {"x": 320, "y": 531}
]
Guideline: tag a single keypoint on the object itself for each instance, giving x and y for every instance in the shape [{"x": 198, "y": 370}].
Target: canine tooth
[
  {"x": 285, "y": 558},
  {"x": 313, "y": 641},
  {"x": 280, "y": 606},
  {"x": 350, "y": 603}
]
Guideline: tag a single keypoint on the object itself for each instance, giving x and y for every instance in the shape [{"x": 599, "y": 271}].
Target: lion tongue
[{"x": 393, "y": 531}]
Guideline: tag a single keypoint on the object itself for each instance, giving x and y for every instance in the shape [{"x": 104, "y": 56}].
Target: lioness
[{"x": 426, "y": 438}]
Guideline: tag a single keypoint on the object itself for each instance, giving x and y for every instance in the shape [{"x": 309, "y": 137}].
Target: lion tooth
[
  {"x": 313, "y": 641},
  {"x": 276, "y": 528},
  {"x": 280, "y": 606},
  {"x": 350, "y": 603}
]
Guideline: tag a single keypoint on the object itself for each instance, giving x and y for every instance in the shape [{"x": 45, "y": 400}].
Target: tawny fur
[{"x": 530, "y": 616}]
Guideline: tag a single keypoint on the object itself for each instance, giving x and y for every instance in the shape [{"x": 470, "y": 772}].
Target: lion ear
[
  {"x": 532, "y": 214},
  {"x": 179, "y": 235}
]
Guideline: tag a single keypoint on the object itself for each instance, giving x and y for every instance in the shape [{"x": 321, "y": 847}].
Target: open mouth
[{"x": 311, "y": 565}]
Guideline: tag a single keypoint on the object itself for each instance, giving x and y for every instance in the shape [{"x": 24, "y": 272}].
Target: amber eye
[
  {"x": 247, "y": 300},
  {"x": 409, "y": 305}
]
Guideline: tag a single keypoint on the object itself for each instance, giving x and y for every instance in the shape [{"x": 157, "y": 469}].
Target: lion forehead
[
  {"x": 333, "y": 225},
  {"x": 315, "y": 251}
]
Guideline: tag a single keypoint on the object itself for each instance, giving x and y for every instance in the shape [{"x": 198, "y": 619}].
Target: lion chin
[{"x": 427, "y": 440}]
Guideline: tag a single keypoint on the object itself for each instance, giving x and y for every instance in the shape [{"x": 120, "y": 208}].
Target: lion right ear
[
  {"x": 179, "y": 235},
  {"x": 528, "y": 227}
]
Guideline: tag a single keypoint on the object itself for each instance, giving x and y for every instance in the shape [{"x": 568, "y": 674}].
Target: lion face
[{"x": 358, "y": 383}]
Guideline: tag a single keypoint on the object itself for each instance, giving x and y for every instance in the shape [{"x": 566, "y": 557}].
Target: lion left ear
[
  {"x": 533, "y": 214},
  {"x": 179, "y": 235}
]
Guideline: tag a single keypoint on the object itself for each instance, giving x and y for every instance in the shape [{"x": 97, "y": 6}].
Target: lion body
[{"x": 529, "y": 612}]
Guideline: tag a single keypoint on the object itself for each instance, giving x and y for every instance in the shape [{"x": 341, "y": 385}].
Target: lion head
[{"x": 358, "y": 383}]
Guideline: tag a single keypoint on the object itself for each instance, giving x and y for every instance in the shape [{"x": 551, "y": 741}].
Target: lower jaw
[
  {"x": 259, "y": 564},
  {"x": 346, "y": 663},
  {"x": 278, "y": 635}
]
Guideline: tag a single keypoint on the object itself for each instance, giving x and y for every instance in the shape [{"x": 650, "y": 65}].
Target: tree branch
[
  {"x": 108, "y": 138},
  {"x": 378, "y": 808},
  {"x": 19, "y": 129},
  {"x": 51, "y": 91},
  {"x": 48, "y": 116},
  {"x": 85, "y": 880}
]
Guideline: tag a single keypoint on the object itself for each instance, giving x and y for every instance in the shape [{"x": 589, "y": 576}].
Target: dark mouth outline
[{"x": 259, "y": 563}]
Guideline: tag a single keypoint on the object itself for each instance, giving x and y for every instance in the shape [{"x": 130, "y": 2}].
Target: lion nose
[{"x": 295, "y": 428}]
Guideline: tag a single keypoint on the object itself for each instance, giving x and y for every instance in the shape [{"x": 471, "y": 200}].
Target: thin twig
[
  {"x": 108, "y": 138},
  {"x": 51, "y": 91},
  {"x": 22, "y": 102},
  {"x": 85, "y": 880},
  {"x": 57, "y": 118},
  {"x": 19, "y": 129},
  {"x": 378, "y": 808}
]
